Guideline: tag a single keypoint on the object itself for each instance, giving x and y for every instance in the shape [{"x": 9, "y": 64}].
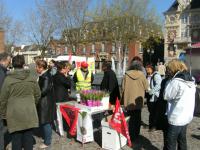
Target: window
[{"x": 184, "y": 18}]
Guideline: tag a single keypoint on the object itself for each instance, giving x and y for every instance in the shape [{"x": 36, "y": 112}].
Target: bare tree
[
  {"x": 15, "y": 35},
  {"x": 5, "y": 19},
  {"x": 40, "y": 26},
  {"x": 134, "y": 18},
  {"x": 68, "y": 15},
  {"x": 13, "y": 29}
]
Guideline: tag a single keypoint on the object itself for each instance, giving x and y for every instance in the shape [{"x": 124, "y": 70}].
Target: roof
[
  {"x": 173, "y": 7},
  {"x": 194, "y": 4}
]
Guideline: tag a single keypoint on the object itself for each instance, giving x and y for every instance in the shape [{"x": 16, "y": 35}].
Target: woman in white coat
[{"x": 180, "y": 95}]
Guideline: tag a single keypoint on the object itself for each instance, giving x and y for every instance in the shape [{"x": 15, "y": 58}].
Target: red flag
[
  {"x": 70, "y": 115},
  {"x": 118, "y": 122}
]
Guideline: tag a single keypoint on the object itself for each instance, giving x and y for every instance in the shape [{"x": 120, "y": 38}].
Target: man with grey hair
[{"x": 5, "y": 59}]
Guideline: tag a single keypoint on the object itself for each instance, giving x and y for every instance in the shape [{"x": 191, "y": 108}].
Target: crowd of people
[
  {"x": 170, "y": 100},
  {"x": 29, "y": 95}
]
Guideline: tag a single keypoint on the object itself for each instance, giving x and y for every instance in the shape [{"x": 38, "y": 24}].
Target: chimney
[{"x": 2, "y": 46}]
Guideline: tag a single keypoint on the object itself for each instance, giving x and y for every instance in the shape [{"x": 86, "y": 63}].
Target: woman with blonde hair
[{"x": 180, "y": 96}]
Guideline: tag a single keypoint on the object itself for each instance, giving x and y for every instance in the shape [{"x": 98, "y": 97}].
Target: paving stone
[{"x": 146, "y": 141}]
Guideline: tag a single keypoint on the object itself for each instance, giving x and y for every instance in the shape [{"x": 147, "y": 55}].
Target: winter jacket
[
  {"x": 180, "y": 94},
  {"x": 46, "y": 105},
  {"x": 134, "y": 85},
  {"x": 3, "y": 71},
  {"x": 155, "y": 84},
  {"x": 110, "y": 84},
  {"x": 61, "y": 85},
  {"x": 19, "y": 95}
]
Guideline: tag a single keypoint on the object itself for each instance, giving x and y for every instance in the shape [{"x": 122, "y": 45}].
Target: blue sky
[
  {"x": 19, "y": 8},
  {"x": 161, "y": 5}
]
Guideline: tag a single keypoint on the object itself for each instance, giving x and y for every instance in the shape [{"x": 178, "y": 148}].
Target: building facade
[
  {"x": 117, "y": 38},
  {"x": 182, "y": 27},
  {"x": 2, "y": 44}
]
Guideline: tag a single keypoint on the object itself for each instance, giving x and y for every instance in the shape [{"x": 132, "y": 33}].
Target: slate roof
[
  {"x": 194, "y": 4},
  {"x": 173, "y": 7}
]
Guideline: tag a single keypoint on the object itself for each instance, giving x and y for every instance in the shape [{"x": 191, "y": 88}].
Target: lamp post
[
  {"x": 190, "y": 48},
  {"x": 150, "y": 52}
]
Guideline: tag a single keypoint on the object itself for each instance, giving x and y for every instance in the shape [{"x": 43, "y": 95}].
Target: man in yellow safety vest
[{"x": 83, "y": 78}]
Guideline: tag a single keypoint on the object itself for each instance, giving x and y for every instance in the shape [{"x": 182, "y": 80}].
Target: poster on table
[{"x": 84, "y": 127}]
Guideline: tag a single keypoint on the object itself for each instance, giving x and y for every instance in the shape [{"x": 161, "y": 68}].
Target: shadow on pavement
[
  {"x": 196, "y": 136},
  {"x": 143, "y": 143}
]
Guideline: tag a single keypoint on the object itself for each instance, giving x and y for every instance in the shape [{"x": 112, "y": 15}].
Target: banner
[
  {"x": 118, "y": 122},
  {"x": 70, "y": 115},
  {"x": 70, "y": 58}
]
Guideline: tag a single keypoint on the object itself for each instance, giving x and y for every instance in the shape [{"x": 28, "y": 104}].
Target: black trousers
[
  {"x": 134, "y": 123},
  {"x": 22, "y": 139},
  {"x": 1, "y": 135},
  {"x": 152, "y": 112}
]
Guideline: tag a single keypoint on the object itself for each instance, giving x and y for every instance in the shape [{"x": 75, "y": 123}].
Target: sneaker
[{"x": 43, "y": 146}]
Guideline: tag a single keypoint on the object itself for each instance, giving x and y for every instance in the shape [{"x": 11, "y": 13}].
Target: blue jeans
[
  {"x": 1, "y": 135},
  {"x": 47, "y": 133},
  {"x": 176, "y": 134}
]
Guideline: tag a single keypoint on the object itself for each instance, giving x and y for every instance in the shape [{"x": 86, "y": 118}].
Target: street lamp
[
  {"x": 150, "y": 52},
  {"x": 190, "y": 48}
]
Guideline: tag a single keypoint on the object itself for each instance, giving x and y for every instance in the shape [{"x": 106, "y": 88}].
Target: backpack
[{"x": 153, "y": 79}]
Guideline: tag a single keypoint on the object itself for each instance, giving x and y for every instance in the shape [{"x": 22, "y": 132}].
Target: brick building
[
  {"x": 100, "y": 50},
  {"x": 2, "y": 45}
]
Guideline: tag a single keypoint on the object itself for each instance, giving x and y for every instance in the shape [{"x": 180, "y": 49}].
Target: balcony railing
[{"x": 182, "y": 39}]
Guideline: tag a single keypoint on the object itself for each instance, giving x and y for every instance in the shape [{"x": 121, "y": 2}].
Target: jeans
[
  {"x": 1, "y": 135},
  {"x": 22, "y": 139},
  {"x": 134, "y": 124},
  {"x": 47, "y": 133},
  {"x": 176, "y": 134}
]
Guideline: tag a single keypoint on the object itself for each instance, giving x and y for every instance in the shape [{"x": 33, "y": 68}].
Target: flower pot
[
  {"x": 94, "y": 103},
  {"x": 89, "y": 103},
  {"x": 98, "y": 103}
]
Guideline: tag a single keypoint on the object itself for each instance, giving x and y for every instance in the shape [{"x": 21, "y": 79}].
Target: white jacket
[{"x": 180, "y": 95}]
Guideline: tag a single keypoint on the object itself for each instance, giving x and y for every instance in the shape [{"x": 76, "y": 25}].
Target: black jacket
[
  {"x": 110, "y": 84},
  {"x": 61, "y": 85},
  {"x": 161, "y": 108},
  {"x": 46, "y": 105},
  {"x": 3, "y": 71}
]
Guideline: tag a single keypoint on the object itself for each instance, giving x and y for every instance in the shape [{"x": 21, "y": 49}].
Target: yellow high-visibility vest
[{"x": 82, "y": 83}]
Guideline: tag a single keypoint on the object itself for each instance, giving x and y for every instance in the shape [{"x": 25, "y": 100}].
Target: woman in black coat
[
  {"x": 46, "y": 103},
  {"x": 62, "y": 83},
  {"x": 110, "y": 83},
  {"x": 161, "y": 121}
]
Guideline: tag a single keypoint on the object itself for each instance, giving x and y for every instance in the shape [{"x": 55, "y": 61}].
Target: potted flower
[{"x": 92, "y": 97}]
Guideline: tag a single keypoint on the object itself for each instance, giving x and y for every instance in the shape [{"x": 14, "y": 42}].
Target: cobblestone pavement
[{"x": 146, "y": 141}]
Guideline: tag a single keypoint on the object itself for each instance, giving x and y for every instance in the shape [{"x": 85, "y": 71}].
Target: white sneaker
[{"x": 43, "y": 146}]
